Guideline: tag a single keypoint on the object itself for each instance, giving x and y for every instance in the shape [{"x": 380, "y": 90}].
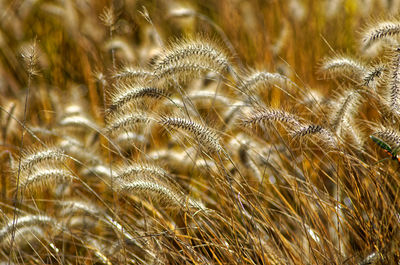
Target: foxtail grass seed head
[
  {"x": 26, "y": 221},
  {"x": 390, "y": 136},
  {"x": 344, "y": 109},
  {"x": 381, "y": 30},
  {"x": 342, "y": 66},
  {"x": 42, "y": 176},
  {"x": 260, "y": 116},
  {"x": 160, "y": 192},
  {"x": 259, "y": 78},
  {"x": 25, "y": 237},
  {"x": 125, "y": 93},
  {"x": 30, "y": 56},
  {"x": 372, "y": 77},
  {"x": 108, "y": 17},
  {"x": 394, "y": 82},
  {"x": 33, "y": 157},
  {"x": 325, "y": 136},
  {"x": 78, "y": 121},
  {"x": 120, "y": 121},
  {"x": 133, "y": 73},
  {"x": 128, "y": 171},
  {"x": 205, "y": 53},
  {"x": 72, "y": 207},
  {"x": 204, "y": 135}
]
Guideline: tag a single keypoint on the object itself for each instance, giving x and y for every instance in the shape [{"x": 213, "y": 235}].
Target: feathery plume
[
  {"x": 33, "y": 157},
  {"x": 343, "y": 110},
  {"x": 125, "y": 93},
  {"x": 26, "y": 221},
  {"x": 128, "y": 120},
  {"x": 158, "y": 191},
  {"x": 203, "y": 134},
  {"x": 126, "y": 172},
  {"x": 390, "y": 136},
  {"x": 342, "y": 66},
  {"x": 258, "y": 78},
  {"x": 188, "y": 50},
  {"x": 394, "y": 83},
  {"x": 43, "y": 176},
  {"x": 313, "y": 129},
  {"x": 133, "y": 73},
  {"x": 259, "y": 116},
  {"x": 382, "y": 30}
]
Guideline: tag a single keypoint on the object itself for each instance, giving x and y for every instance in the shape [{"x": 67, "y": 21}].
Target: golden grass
[{"x": 199, "y": 132}]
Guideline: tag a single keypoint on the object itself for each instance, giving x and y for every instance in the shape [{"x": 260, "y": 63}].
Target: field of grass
[{"x": 199, "y": 132}]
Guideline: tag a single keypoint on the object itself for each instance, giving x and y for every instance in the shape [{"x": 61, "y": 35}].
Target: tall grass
[{"x": 199, "y": 132}]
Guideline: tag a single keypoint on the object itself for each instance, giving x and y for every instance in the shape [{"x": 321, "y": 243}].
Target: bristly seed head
[
  {"x": 127, "y": 92},
  {"x": 394, "y": 83},
  {"x": 342, "y": 66},
  {"x": 26, "y": 221},
  {"x": 127, "y": 120},
  {"x": 203, "y": 134},
  {"x": 43, "y": 176},
  {"x": 390, "y": 136},
  {"x": 259, "y": 116},
  {"x": 34, "y": 157},
  {"x": 382, "y": 30}
]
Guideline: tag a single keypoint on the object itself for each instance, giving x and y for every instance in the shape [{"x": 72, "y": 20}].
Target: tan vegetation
[{"x": 199, "y": 132}]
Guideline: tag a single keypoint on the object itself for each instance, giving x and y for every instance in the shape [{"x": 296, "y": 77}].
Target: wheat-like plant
[{"x": 199, "y": 132}]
